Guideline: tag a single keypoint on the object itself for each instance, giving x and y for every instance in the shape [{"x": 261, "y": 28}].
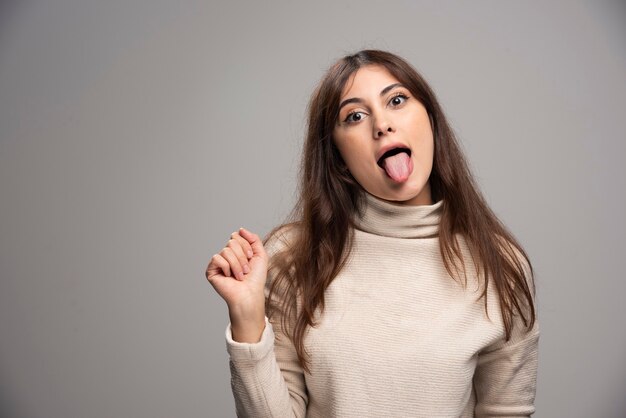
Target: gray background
[{"x": 135, "y": 136}]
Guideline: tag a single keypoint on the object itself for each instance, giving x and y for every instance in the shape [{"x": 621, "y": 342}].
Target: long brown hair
[{"x": 329, "y": 197}]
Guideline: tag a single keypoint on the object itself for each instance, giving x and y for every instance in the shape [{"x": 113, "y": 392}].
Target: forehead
[{"x": 369, "y": 79}]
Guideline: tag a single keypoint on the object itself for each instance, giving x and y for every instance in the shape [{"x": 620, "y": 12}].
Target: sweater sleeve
[
  {"x": 266, "y": 377},
  {"x": 506, "y": 372}
]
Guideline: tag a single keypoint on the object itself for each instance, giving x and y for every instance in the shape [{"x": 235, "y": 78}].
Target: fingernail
[
  {"x": 246, "y": 269},
  {"x": 250, "y": 253},
  {"x": 240, "y": 276}
]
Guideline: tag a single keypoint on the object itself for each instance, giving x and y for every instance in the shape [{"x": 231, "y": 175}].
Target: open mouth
[{"x": 391, "y": 153}]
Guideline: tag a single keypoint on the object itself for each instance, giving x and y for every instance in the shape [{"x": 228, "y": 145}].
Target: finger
[
  {"x": 235, "y": 245},
  {"x": 245, "y": 245},
  {"x": 255, "y": 242},
  {"x": 217, "y": 263},
  {"x": 233, "y": 261}
]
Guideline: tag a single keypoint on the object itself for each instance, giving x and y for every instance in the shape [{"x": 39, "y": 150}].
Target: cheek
[
  {"x": 424, "y": 138},
  {"x": 356, "y": 161},
  {"x": 352, "y": 151}
]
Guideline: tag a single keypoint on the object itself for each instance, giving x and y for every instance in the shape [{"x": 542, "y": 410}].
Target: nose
[{"x": 382, "y": 126}]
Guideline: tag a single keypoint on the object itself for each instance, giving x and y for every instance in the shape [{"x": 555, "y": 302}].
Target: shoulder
[
  {"x": 279, "y": 285},
  {"x": 514, "y": 253},
  {"x": 281, "y": 237},
  {"x": 280, "y": 244},
  {"x": 519, "y": 259}
]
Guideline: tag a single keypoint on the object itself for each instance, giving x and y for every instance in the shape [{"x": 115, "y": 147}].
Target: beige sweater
[{"x": 399, "y": 337}]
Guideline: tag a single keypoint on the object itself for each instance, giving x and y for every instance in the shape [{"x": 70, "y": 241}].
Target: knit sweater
[{"x": 399, "y": 337}]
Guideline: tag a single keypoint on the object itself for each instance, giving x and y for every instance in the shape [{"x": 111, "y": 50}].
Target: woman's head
[
  {"x": 344, "y": 143},
  {"x": 384, "y": 136}
]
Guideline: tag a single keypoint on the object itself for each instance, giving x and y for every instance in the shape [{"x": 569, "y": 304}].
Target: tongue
[{"x": 398, "y": 166}]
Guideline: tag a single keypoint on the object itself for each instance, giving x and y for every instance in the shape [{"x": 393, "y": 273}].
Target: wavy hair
[{"x": 329, "y": 197}]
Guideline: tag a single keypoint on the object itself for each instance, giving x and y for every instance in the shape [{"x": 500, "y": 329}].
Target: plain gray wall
[{"x": 135, "y": 136}]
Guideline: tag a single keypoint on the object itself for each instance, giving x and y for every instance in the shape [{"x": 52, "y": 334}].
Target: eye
[
  {"x": 349, "y": 118},
  {"x": 398, "y": 99}
]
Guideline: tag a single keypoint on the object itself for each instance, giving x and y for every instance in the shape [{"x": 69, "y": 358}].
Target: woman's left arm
[{"x": 505, "y": 378}]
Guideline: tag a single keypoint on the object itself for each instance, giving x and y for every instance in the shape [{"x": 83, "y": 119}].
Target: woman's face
[{"x": 376, "y": 116}]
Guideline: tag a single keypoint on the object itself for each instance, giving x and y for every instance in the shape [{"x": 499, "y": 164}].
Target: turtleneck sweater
[{"x": 398, "y": 336}]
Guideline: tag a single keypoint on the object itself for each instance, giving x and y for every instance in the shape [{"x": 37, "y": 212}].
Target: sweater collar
[{"x": 381, "y": 217}]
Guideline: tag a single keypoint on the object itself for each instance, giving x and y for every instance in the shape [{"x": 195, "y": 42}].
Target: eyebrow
[{"x": 358, "y": 100}]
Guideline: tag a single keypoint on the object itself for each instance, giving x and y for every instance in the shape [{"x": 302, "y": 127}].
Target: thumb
[{"x": 255, "y": 242}]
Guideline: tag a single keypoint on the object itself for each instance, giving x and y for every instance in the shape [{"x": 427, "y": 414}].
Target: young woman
[{"x": 393, "y": 290}]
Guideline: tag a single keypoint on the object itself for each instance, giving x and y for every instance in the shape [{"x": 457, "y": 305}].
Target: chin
[
  {"x": 411, "y": 191},
  {"x": 399, "y": 196},
  {"x": 403, "y": 192}
]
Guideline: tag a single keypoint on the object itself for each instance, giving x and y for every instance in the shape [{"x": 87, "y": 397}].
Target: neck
[{"x": 382, "y": 217}]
